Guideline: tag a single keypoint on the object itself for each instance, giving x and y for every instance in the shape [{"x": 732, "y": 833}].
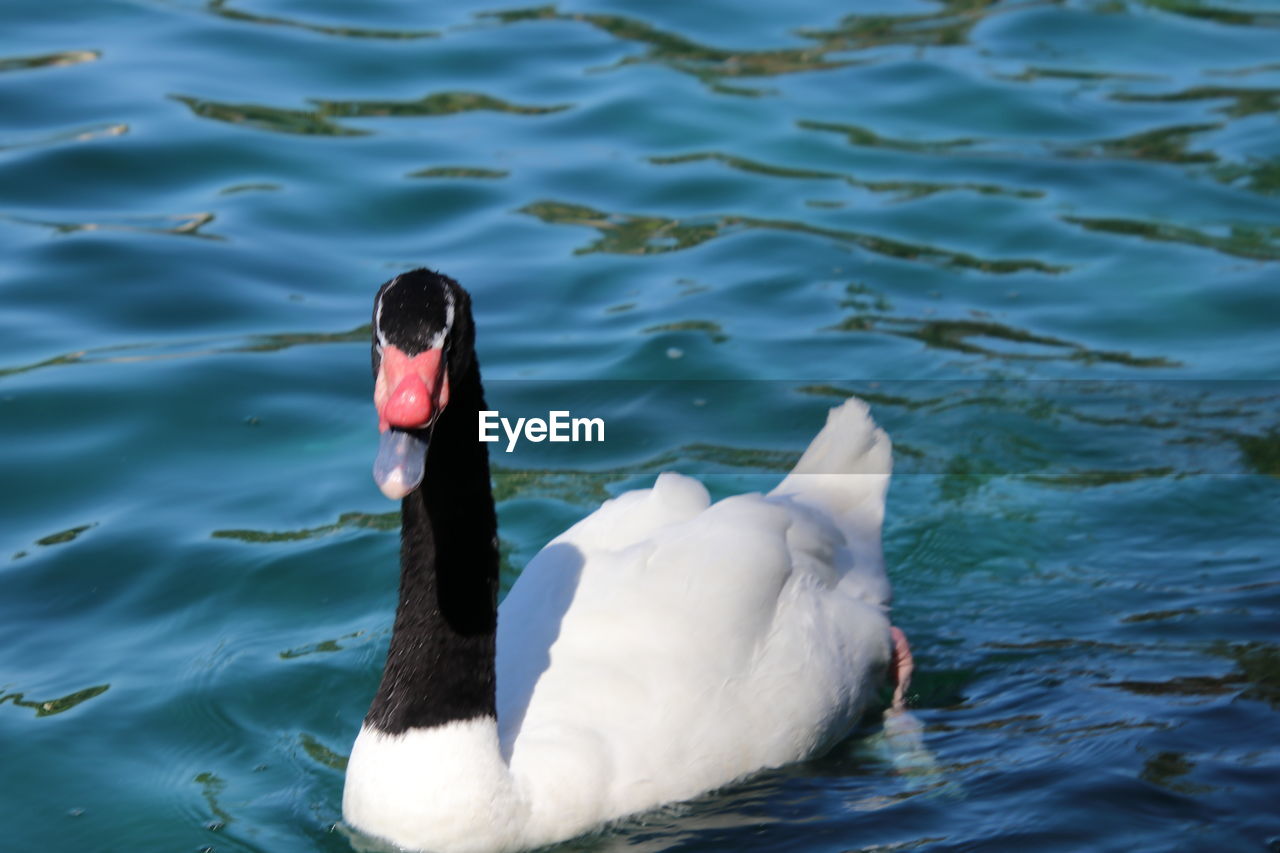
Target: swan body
[{"x": 661, "y": 647}]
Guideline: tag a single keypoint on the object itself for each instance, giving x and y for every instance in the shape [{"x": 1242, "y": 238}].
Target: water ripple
[
  {"x": 864, "y": 138},
  {"x": 679, "y": 53},
  {"x": 49, "y": 707},
  {"x": 1244, "y": 101},
  {"x": 905, "y": 190},
  {"x": 137, "y": 353},
  {"x": 180, "y": 224},
  {"x": 48, "y": 60},
  {"x": 437, "y": 104},
  {"x": 273, "y": 119},
  {"x": 223, "y": 9},
  {"x": 460, "y": 172},
  {"x": 359, "y": 520},
  {"x": 1256, "y": 242},
  {"x": 628, "y": 234},
  {"x": 80, "y": 134}
]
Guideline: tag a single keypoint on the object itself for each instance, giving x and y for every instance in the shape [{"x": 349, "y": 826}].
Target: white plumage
[{"x": 661, "y": 647}]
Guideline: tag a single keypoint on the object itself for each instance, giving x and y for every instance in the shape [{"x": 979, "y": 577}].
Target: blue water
[{"x": 1041, "y": 238}]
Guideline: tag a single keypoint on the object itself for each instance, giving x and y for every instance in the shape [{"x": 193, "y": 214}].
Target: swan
[{"x": 659, "y": 648}]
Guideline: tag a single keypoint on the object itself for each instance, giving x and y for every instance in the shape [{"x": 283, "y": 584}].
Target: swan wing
[{"x": 664, "y": 645}]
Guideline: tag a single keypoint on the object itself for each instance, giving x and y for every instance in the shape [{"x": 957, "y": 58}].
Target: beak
[
  {"x": 410, "y": 393},
  {"x": 400, "y": 464}
]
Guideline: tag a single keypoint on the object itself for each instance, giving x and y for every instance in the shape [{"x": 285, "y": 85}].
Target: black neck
[{"x": 440, "y": 666}]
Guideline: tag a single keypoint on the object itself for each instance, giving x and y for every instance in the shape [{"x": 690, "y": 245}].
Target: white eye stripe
[
  {"x": 377, "y": 314},
  {"x": 438, "y": 339},
  {"x": 377, "y": 325}
]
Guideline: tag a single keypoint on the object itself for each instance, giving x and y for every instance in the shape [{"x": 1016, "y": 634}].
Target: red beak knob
[{"x": 409, "y": 405}]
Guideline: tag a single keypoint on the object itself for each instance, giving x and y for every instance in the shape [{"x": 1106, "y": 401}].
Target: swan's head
[{"x": 421, "y": 335}]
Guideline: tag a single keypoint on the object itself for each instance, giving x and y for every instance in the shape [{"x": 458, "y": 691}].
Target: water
[{"x": 1042, "y": 238}]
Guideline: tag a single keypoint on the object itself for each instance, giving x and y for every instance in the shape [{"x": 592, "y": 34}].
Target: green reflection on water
[
  {"x": 905, "y": 189},
  {"x": 187, "y": 225},
  {"x": 1244, "y": 241},
  {"x": 1245, "y": 102},
  {"x": 862, "y": 137},
  {"x": 80, "y": 134},
  {"x": 708, "y": 64},
  {"x": 129, "y": 353},
  {"x": 459, "y": 172},
  {"x": 222, "y": 9},
  {"x": 357, "y": 520},
  {"x": 1032, "y": 73},
  {"x": 1166, "y": 768},
  {"x": 321, "y": 647},
  {"x": 1094, "y": 478},
  {"x": 581, "y": 487},
  {"x": 626, "y": 234},
  {"x": 950, "y": 25},
  {"x": 59, "y": 538},
  {"x": 65, "y": 535},
  {"x": 48, "y": 60},
  {"x": 274, "y": 119},
  {"x": 321, "y": 754},
  {"x": 437, "y": 104},
  {"x": 1259, "y": 665},
  {"x": 1162, "y": 145},
  {"x": 1216, "y": 14},
  {"x": 211, "y": 787},
  {"x": 961, "y": 336},
  {"x": 713, "y": 330},
  {"x": 50, "y": 707},
  {"x": 1261, "y": 452},
  {"x": 1260, "y": 176}
]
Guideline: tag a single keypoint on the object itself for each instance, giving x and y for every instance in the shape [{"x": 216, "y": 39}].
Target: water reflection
[
  {"x": 436, "y": 104},
  {"x": 1216, "y": 14},
  {"x": 273, "y": 119},
  {"x": 981, "y": 337},
  {"x": 1256, "y": 175},
  {"x": 321, "y": 754},
  {"x": 1167, "y": 768},
  {"x": 949, "y": 25},
  {"x": 80, "y": 134},
  {"x": 181, "y": 225},
  {"x": 1032, "y": 73},
  {"x": 626, "y": 234},
  {"x": 460, "y": 172},
  {"x": 1162, "y": 145},
  {"x": 1256, "y": 242},
  {"x": 589, "y": 488},
  {"x": 862, "y": 137},
  {"x": 1261, "y": 452},
  {"x": 679, "y": 53},
  {"x": 322, "y": 647},
  {"x": 713, "y": 331},
  {"x": 223, "y": 9},
  {"x": 134, "y": 353},
  {"x": 59, "y": 538},
  {"x": 212, "y": 787},
  {"x": 1244, "y": 101},
  {"x": 48, "y": 60},
  {"x": 49, "y": 707},
  {"x": 1259, "y": 665},
  {"x": 905, "y": 190},
  {"x": 358, "y": 520}
]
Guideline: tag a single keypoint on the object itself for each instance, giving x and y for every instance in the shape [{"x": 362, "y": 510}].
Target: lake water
[{"x": 1041, "y": 238}]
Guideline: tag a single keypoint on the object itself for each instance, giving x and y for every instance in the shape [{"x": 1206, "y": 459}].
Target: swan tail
[{"x": 845, "y": 470}]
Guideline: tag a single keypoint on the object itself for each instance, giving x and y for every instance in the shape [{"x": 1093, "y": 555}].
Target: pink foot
[{"x": 900, "y": 666}]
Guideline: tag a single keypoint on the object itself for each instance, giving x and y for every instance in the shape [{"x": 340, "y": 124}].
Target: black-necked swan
[{"x": 659, "y": 648}]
